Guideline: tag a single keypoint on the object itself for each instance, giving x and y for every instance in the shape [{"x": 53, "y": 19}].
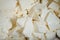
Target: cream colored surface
[{"x": 29, "y": 20}]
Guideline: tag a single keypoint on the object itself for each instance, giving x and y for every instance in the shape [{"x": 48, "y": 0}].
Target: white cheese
[
  {"x": 29, "y": 28},
  {"x": 58, "y": 33},
  {"x": 21, "y": 21},
  {"x": 54, "y": 6},
  {"x": 50, "y": 35},
  {"x": 26, "y": 4},
  {"x": 53, "y": 21}
]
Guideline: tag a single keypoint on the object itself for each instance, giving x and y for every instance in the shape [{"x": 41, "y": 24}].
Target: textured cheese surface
[{"x": 29, "y": 19}]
